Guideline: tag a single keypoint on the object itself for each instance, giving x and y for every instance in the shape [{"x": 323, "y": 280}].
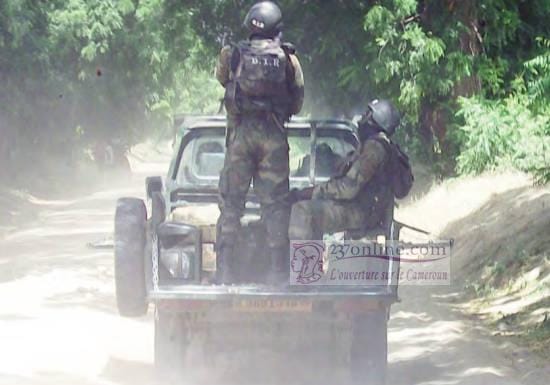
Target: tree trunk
[
  {"x": 470, "y": 43},
  {"x": 434, "y": 118}
]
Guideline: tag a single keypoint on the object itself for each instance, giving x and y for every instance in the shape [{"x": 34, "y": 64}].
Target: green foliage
[
  {"x": 504, "y": 134},
  {"x": 75, "y": 72},
  {"x": 79, "y": 72},
  {"x": 406, "y": 56},
  {"x": 490, "y": 134},
  {"x": 539, "y": 74}
]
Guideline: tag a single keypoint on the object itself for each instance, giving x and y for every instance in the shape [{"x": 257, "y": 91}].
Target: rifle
[{"x": 401, "y": 225}]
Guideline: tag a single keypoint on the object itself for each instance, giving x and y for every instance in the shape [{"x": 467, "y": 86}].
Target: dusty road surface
[{"x": 58, "y": 322}]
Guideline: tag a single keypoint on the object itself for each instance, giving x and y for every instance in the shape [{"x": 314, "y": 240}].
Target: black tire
[
  {"x": 130, "y": 239},
  {"x": 171, "y": 341},
  {"x": 369, "y": 348}
]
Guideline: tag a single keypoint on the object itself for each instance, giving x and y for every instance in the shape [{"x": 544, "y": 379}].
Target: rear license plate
[{"x": 272, "y": 305}]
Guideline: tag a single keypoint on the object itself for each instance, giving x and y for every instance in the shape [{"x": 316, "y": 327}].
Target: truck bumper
[{"x": 193, "y": 298}]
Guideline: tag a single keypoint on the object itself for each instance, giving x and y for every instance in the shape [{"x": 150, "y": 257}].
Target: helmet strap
[
  {"x": 266, "y": 35},
  {"x": 367, "y": 129}
]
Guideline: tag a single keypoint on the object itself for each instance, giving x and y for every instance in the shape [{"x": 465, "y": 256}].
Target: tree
[
  {"x": 77, "y": 72},
  {"x": 74, "y": 72}
]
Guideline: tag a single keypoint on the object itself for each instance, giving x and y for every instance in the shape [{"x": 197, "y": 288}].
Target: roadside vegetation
[
  {"x": 513, "y": 297},
  {"x": 472, "y": 77}
]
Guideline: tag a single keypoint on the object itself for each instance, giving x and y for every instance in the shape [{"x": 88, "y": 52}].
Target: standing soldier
[{"x": 264, "y": 87}]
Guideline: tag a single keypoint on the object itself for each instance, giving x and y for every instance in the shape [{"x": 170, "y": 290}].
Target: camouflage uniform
[
  {"x": 353, "y": 200},
  {"x": 257, "y": 149}
]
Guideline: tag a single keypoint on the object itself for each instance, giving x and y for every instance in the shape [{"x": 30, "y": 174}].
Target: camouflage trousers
[
  {"x": 257, "y": 151},
  {"x": 309, "y": 220}
]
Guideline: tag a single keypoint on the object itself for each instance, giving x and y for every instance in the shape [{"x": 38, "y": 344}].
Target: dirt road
[{"x": 58, "y": 322}]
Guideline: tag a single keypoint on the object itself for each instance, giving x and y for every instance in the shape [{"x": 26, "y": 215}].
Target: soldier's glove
[
  {"x": 296, "y": 195},
  {"x": 344, "y": 165}
]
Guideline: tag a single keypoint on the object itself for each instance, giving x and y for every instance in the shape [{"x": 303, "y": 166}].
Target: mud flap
[
  {"x": 369, "y": 348},
  {"x": 171, "y": 341}
]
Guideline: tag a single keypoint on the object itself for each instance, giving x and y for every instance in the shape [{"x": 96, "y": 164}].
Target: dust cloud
[{"x": 59, "y": 324}]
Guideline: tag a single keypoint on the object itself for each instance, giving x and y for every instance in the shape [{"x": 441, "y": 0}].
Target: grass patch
[
  {"x": 513, "y": 298},
  {"x": 538, "y": 338}
]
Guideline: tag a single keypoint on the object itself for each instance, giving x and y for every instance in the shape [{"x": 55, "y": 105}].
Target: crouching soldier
[{"x": 368, "y": 182}]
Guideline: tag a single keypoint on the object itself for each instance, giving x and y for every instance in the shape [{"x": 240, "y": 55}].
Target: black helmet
[
  {"x": 385, "y": 115},
  {"x": 264, "y": 18}
]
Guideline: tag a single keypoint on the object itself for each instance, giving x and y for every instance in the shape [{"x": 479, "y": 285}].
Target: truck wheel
[
  {"x": 171, "y": 340},
  {"x": 130, "y": 239},
  {"x": 369, "y": 348}
]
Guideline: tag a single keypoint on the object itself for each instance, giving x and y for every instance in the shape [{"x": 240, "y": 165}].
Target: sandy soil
[{"x": 58, "y": 322}]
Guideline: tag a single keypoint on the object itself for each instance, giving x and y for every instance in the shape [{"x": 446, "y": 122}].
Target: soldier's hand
[
  {"x": 296, "y": 195},
  {"x": 344, "y": 165}
]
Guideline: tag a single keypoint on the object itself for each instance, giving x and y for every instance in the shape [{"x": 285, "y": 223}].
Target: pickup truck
[{"x": 165, "y": 255}]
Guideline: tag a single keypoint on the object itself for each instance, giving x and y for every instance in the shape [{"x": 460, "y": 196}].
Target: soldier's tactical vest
[
  {"x": 259, "y": 77},
  {"x": 377, "y": 194}
]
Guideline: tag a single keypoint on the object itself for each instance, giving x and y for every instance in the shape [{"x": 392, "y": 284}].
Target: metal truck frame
[{"x": 160, "y": 259}]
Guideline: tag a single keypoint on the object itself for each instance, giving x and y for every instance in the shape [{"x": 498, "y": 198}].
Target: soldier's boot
[
  {"x": 279, "y": 267},
  {"x": 224, "y": 273}
]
